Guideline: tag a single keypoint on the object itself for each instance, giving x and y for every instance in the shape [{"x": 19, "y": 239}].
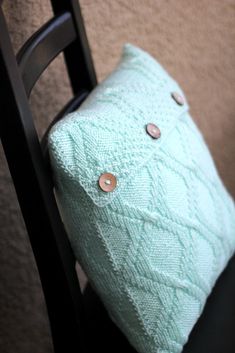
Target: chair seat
[{"x": 213, "y": 332}]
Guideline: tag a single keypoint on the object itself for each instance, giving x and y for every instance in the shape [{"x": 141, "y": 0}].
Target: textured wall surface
[{"x": 194, "y": 40}]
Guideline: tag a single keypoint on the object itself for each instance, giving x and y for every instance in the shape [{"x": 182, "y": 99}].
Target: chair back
[{"x": 28, "y": 164}]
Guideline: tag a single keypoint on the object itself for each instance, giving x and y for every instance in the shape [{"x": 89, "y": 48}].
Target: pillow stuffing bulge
[{"x": 148, "y": 217}]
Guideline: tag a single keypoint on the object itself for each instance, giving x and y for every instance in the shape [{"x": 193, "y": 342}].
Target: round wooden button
[
  {"x": 107, "y": 182},
  {"x": 153, "y": 130},
  {"x": 178, "y": 98}
]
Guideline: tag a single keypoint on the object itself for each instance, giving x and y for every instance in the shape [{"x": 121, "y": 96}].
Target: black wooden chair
[{"x": 78, "y": 321}]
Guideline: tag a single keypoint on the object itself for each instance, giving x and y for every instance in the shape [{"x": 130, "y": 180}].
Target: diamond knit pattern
[{"x": 153, "y": 247}]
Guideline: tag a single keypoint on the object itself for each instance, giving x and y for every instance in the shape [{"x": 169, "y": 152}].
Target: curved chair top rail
[{"x": 43, "y": 46}]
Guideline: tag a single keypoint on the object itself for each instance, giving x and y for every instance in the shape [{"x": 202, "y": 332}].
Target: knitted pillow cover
[{"x": 147, "y": 215}]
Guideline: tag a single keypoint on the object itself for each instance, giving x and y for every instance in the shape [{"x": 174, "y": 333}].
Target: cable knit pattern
[{"x": 154, "y": 246}]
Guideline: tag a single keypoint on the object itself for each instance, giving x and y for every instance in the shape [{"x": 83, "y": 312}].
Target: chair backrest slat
[
  {"x": 44, "y": 45},
  {"x": 78, "y": 57}
]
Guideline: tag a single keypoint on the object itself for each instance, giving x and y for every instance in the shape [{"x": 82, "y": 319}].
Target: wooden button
[
  {"x": 153, "y": 130},
  {"x": 178, "y": 98},
  {"x": 107, "y": 182}
]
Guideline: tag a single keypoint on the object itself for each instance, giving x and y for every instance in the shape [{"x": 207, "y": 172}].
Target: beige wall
[{"x": 194, "y": 40}]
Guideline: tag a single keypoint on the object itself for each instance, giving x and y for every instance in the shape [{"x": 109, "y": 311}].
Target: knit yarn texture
[{"x": 154, "y": 246}]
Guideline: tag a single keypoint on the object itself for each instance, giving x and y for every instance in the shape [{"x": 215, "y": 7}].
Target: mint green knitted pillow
[{"x": 147, "y": 215}]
